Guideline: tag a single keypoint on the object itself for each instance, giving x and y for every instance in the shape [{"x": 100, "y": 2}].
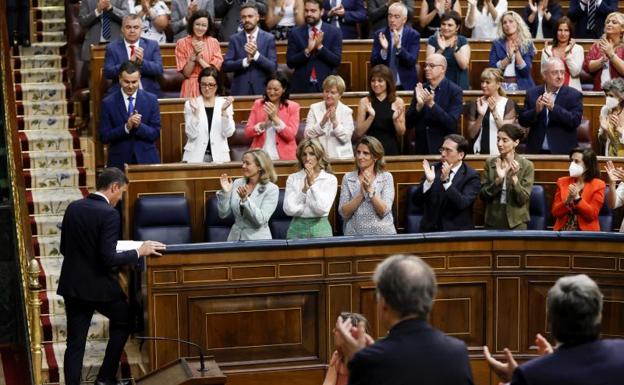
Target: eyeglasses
[
  {"x": 445, "y": 149},
  {"x": 208, "y": 85},
  {"x": 431, "y": 65}
]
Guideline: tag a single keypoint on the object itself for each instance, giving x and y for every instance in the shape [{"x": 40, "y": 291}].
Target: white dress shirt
[{"x": 314, "y": 203}]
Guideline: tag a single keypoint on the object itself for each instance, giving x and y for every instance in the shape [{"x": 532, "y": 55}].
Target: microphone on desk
[{"x": 202, "y": 366}]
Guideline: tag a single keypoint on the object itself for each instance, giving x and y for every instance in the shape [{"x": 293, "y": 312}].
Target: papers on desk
[{"x": 128, "y": 245}]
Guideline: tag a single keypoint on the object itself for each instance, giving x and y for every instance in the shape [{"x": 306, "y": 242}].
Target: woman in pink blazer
[{"x": 274, "y": 120}]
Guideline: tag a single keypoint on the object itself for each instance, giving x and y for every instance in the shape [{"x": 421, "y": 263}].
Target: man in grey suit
[
  {"x": 181, "y": 12},
  {"x": 378, "y": 13},
  {"x": 229, "y": 12},
  {"x": 102, "y": 20}
]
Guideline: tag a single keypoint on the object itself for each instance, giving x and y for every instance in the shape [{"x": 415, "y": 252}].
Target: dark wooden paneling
[{"x": 508, "y": 313}]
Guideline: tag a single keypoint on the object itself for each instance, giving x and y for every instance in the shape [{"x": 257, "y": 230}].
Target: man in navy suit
[
  {"x": 448, "y": 189},
  {"x": 314, "y": 50},
  {"x": 435, "y": 109},
  {"x": 131, "y": 46},
  {"x": 130, "y": 121},
  {"x": 345, "y": 15},
  {"x": 397, "y": 46},
  {"x": 88, "y": 283},
  {"x": 589, "y": 17},
  {"x": 552, "y": 113},
  {"x": 413, "y": 352},
  {"x": 251, "y": 54},
  {"x": 574, "y": 306}
]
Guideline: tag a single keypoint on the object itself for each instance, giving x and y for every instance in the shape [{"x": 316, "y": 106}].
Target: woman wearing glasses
[{"x": 209, "y": 121}]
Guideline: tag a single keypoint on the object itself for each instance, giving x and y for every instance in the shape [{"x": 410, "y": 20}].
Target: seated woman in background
[
  {"x": 155, "y": 16},
  {"x": 331, "y": 121},
  {"x": 366, "y": 194},
  {"x": 252, "y": 199},
  {"x": 454, "y": 47},
  {"x": 274, "y": 120},
  {"x": 605, "y": 59},
  {"x": 615, "y": 198},
  {"x": 208, "y": 122},
  {"x": 489, "y": 112},
  {"x": 579, "y": 197},
  {"x": 282, "y": 16},
  {"x": 431, "y": 11},
  {"x": 310, "y": 193},
  {"x": 611, "y": 132},
  {"x": 540, "y": 16},
  {"x": 513, "y": 52},
  {"x": 507, "y": 183},
  {"x": 565, "y": 48},
  {"x": 381, "y": 114},
  {"x": 196, "y": 51},
  {"x": 483, "y": 16}
]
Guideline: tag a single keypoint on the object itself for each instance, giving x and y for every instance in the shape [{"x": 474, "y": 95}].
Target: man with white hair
[{"x": 552, "y": 112}]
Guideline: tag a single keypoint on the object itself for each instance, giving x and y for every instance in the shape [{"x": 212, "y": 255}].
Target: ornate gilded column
[{"x": 34, "y": 304}]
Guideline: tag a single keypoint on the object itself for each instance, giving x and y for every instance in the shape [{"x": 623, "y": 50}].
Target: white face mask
[
  {"x": 575, "y": 169},
  {"x": 611, "y": 102}
]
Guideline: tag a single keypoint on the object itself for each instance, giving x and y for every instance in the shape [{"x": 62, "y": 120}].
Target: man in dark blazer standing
[
  {"x": 589, "y": 17},
  {"x": 130, "y": 121},
  {"x": 397, "y": 46},
  {"x": 251, "y": 54},
  {"x": 229, "y": 12},
  {"x": 132, "y": 47},
  {"x": 314, "y": 50},
  {"x": 87, "y": 282},
  {"x": 101, "y": 20},
  {"x": 345, "y": 15},
  {"x": 448, "y": 189},
  {"x": 378, "y": 13},
  {"x": 552, "y": 113},
  {"x": 413, "y": 352}
]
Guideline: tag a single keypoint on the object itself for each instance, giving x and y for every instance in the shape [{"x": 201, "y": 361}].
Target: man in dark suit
[
  {"x": 435, "y": 109},
  {"x": 552, "y": 113},
  {"x": 130, "y": 121},
  {"x": 181, "y": 12},
  {"x": 101, "y": 20},
  {"x": 345, "y": 15},
  {"x": 229, "y": 12},
  {"x": 589, "y": 17},
  {"x": 314, "y": 50},
  {"x": 412, "y": 352},
  {"x": 143, "y": 52},
  {"x": 378, "y": 13},
  {"x": 448, "y": 189},
  {"x": 87, "y": 282},
  {"x": 574, "y": 307},
  {"x": 251, "y": 54},
  {"x": 397, "y": 47}
]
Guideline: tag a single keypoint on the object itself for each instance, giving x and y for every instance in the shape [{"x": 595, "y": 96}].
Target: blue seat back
[
  {"x": 163, "y": 218},
  {"x": 537, "y": 209}
]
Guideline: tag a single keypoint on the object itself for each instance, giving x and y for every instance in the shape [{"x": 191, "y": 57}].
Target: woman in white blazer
[
  {"x": 330, "y": 121},
  {"x": 209, "y": 121}
]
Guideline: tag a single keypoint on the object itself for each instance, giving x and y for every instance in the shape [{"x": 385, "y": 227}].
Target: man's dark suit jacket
[
  {"x": 151, "y": 66},
  {"x": 355, "y": 12},
  {"x": 600, "y": 362},
  {"x": 229, "y": 12},
  {"x": 563, "y": 120},
  {"x": 136, "y": 147},
  {"x": 406, "y": 59},
  {"x": 451, "y": 209},
  {"x": 88, "y": 243},
  {"x": 250, "y": 80},
  {"x": 433, "y": 124},
  {"x": 325, "y": 61},
  {"x": 579, "y": 17},
  {"x": 412, "y": 353}
]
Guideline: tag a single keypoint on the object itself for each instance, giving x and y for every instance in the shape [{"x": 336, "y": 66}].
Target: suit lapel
[{"x": 121, "y": 105}]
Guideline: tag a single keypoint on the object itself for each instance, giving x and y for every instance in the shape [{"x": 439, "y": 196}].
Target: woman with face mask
[
  {"x": 579, "y": 197},
  {"x": 611, "y": 132}
]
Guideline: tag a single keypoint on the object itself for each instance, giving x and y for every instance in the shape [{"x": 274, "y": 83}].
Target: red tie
[
  {"x": 313, "y": 72},
  {"x": 131, "y": 50}
]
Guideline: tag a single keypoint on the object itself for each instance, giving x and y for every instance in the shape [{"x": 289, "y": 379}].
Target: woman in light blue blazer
[{"x": 252, "y": 199}]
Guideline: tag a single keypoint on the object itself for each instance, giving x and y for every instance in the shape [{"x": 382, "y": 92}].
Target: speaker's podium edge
[{"x": 185, "y": 371}]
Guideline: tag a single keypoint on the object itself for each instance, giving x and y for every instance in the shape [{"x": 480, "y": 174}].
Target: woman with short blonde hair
[{"x": 605, "y": 59}]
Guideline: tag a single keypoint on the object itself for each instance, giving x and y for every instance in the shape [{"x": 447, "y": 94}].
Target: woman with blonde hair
[
  {"x": 310, "y": 193},
  {"x": 611, "y": 132},
  {"x": 251, "y": 199},
  {"x": 488, "y": 113},
  {"x": 513, "y": 52},
  {"x": 605, "y": 59}
]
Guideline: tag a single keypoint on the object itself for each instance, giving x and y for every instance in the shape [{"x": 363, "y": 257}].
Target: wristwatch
[{"x": 371, "y": 195}]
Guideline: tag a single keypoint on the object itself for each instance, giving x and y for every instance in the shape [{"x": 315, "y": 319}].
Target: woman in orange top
[
  {"x": 195, "y": 52},
  {"x": 579, "y": 197}
]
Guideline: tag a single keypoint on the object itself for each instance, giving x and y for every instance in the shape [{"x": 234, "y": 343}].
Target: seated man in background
[
  {"x": 574, "y": 306},
  {"x": 101, "y": 20},
  {"x": 145, "y": 53},
  {"x": 552, "y": 112},
  {"x": 345, "y": 15},
  {"x": 181, "y": 12}
]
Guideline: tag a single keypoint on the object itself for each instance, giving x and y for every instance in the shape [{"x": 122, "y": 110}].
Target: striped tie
[
  {"x": 106, "y": 26},
  {"x": 591, "y": 15}
]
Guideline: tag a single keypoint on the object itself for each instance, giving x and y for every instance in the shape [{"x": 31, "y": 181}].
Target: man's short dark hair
[
  {"x": 575, "y": 309},
  {"x": 110, "y": 176},
  {"x": 462, "y": 143},
  {"x": 249, "y": 4},
  {"x": 317, "y": 2},
  {"x": 129, "y": 67},
  {"x": 407, "y": 284}
]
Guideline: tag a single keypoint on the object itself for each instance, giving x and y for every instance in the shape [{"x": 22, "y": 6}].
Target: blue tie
[
  {"x": 130, "y": 106},
  {"x": 106, "y": 26},
  {"x": 393, "y": 59}
]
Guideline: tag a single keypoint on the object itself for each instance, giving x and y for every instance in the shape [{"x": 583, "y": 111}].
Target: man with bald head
[
  {"x": 435, "y": 108},
  {"x": 552, "y": 112}
]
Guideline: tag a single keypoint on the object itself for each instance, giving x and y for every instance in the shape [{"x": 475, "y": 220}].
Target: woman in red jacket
[
  {"x": 579, "y": 197},
  {"x": 274, "y": 120}
]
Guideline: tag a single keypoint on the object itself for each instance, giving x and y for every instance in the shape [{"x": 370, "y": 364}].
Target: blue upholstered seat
[{"x": 163, "y": 218}]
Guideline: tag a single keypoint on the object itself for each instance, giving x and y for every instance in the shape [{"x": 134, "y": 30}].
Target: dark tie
[
  {"x": 393, "y": 60},
  {"x": 106, "y": 26},
  {"x": 313, "y": 78},
  {"x": 130, "y": 106},
  {"x": 591, "y": 15},
  {"x": 485, "y": 133}
]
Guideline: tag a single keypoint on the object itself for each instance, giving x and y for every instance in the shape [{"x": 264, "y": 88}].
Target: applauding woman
[
  {"x": 579, "y": 197},
  {"x": 565, "y": 48},
  {"x": 252, "y": 199},
  {"x": 282, "y": 16},
  {"x": 454, "y": 47},
  {"x": 541, "y": 16},
  {"x": 611, "y": 132},
  {"x": 195, "y": 52},
  {"x": 615, "y": 198},
  {"x": 310, "y": 193},
  {"x": 605, "y": 59},
  {"x": 506, "y": 188},
  {"x": 431, "y": 12},
  {"x": 367, "y": 193},
  {"x": 483, "y": 16},
  {"x": 274, "y": 120}
]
